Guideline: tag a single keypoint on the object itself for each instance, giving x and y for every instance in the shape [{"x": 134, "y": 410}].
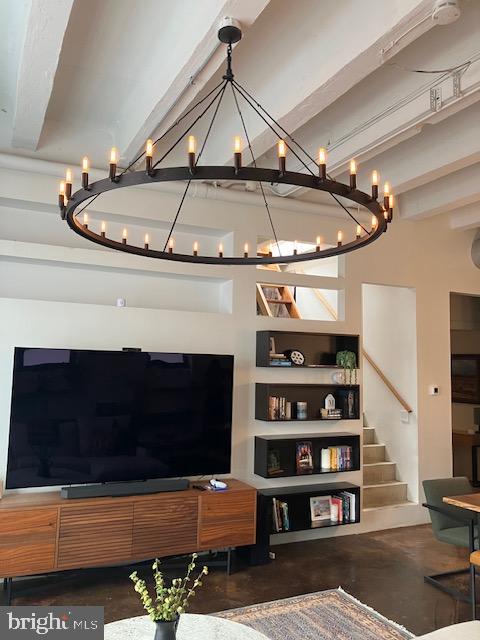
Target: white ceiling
[{"x": 78, "y": 76}]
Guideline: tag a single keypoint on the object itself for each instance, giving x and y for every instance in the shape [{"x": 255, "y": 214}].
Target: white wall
[
  {"x": 424, "y": 255},
  {"x": 390, "y": 338}
]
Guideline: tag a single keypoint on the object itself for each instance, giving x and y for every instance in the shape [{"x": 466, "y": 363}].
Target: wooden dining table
[{"x": 470, "y": 501}]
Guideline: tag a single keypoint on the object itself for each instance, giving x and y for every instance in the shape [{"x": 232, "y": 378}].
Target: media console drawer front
[
  {"x": 27, "y": 541},
  {"x": 166, "y": 526},
  {"x": 28, "y": 522},
  {"x": 94, "y": 535},
  {"x": 227, "y": 519}
]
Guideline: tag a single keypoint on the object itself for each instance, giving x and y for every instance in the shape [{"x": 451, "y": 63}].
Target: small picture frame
[
  {"x": 272, "y": 345},
  {"x": 320, "y": 508}
]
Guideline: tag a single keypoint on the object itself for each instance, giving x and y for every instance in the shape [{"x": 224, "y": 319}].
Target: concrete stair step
[
  {"x": 407, "y": 503},
  {"x": 378, "y": 472},
  {"x": 373, "y": 453},
  {"x": 384, "y": 494},
  {"x": 368, "y": 435}
]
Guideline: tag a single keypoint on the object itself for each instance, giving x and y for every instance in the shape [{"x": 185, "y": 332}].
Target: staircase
[
  {"x": 275, "y": 300},
  {"x": 380, "y": 485}
]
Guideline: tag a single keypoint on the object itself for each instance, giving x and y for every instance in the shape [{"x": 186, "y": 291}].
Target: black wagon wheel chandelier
[{"x": 72, "y": 205}]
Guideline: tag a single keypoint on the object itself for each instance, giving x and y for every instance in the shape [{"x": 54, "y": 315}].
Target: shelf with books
[
  {"x": 301, "y": 508},
  {"x": 283, "y": 456},
  {"x": 277, "y": 402},
  {"x": 319, "y": 350}
]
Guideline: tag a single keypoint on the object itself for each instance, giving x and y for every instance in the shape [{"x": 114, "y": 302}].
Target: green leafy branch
[
  {"x": 170, "y": 601},
  {"x": 348, "y": 360}
]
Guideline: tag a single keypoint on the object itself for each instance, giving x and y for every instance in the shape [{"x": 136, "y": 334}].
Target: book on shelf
[
  {"x": 304, "y": 457},
  {"x": 279, "y": 408},
  {"x": 336, "y": 459},
  {"x": 347, "y": 506},
  {"x": 281, "y": 520},
  {"x": 339, "y": 508},
  {"x": 277, "y": 362}
]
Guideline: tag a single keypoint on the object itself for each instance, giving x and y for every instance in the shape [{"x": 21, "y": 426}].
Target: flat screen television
[{"x": 81, "y": 416}]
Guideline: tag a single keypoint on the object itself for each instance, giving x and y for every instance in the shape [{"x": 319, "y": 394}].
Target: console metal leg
[
  {"x": 473, "y": 594},
  {"x": 229, "y": 562},
  {"x": 7, "y": 585}
]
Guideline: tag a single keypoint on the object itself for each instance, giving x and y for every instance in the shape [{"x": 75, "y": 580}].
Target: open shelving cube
[
  {"x": 320, "y": 349},
  {"x": 276, "y": 455},
  {"x": 347, "y": 398},
  {"x": 298, "y": 501}
]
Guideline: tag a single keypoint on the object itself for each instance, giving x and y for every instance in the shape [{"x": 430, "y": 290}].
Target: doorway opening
[
  {"x": 390, "y": 438},
  {"x": 465, "y": 373}
]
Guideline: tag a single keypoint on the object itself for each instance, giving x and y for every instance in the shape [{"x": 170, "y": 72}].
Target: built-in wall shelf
[
  {"x": 267, "y": 407},
  {"x": 279, "y": 456},
  {"x": 320, "y": 349},
  {"x": 297, "y": 498}
]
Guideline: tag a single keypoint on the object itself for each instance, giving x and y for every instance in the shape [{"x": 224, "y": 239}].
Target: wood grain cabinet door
[
  {"x": 227, "y": 519},
  {"x": 94, "y": 535},
  {"x": 165, "y": 526},
  {"x": 27, "y": 541}
]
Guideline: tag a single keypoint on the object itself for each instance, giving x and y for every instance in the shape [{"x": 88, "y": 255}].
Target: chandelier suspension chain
[
  {"x": 140, "y": 156},
  {"x": 247, "y": 137},
  {"x": 276, "y": 123},
  {"x": 260, "y": 115},
  {"x": 171, "y": 127},
  {"x": 217, "y": 107},
  {"x": 249, "y": 98},
  {"x": 182, "y": 200},
  {"x": 88, "y": 203},
  {"x": 199, "y": 117}
]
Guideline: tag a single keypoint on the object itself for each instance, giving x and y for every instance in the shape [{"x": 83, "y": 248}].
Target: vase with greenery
[
  {"x": 169, "y": 601},
  {"x": 348, "y": 360}
]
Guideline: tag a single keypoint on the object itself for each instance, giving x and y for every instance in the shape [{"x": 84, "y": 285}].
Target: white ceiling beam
[
  {"x": 465, "y": 218},
  {"x": 47, "y": 24},
  {"x": 202, "y": 61},
  {"x": 440, "y": 140},
  {"x": 333, "y": 70},
  {"x": 451, "y": 192},
  {"x": 431, "y": 152},
  {"x": 410, "y": 119}
]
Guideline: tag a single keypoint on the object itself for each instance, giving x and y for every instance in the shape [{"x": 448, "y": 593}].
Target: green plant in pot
[
  {"x": 348, "y": 360},
  {"x": 169, "y": 602}
]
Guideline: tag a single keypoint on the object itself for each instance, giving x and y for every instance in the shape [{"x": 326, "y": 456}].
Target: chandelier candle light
[{"x": 71, "y": 205}]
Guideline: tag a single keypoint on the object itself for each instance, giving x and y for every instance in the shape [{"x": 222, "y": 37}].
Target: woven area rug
[{"x": 325, "y": 615}]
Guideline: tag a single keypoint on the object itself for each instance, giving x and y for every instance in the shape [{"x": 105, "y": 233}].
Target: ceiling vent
[{"x": 445, "y": 11}]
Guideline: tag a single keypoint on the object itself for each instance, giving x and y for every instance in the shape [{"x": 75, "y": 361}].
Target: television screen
[{"x": 81, "y": 416}]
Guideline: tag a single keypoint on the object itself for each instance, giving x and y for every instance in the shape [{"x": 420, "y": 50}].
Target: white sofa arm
[{"x": 462, "y": 631}]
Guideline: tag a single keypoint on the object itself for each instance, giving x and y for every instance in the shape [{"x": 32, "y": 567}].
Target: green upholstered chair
[{"x": 450, "y": 524}]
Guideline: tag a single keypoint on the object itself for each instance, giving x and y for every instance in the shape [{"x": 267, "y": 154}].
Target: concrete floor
[{"x": 383, "y": 569}]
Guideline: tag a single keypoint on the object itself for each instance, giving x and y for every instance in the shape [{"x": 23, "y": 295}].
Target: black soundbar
[{"x": 112, "y": 489}]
